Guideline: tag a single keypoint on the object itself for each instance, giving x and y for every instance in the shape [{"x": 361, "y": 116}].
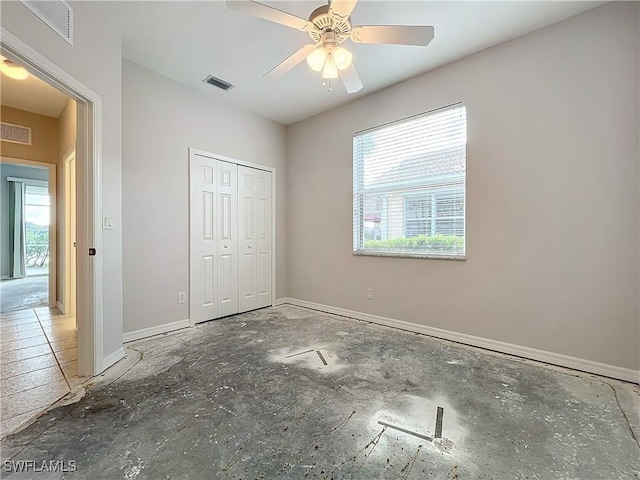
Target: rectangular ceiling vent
[
  {"x": 218, "y": 82},
  {"x": 57, "y": 14},
  {"x": 15, "y": 133}
]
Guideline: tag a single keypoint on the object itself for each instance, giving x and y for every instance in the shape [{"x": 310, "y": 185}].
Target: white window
[{"x": 409, "y": 186}]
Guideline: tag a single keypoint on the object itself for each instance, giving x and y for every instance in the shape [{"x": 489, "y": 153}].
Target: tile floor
[{"x": 37, "y": 362}]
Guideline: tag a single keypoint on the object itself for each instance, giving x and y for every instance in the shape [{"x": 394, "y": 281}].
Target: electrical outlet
[
  {"x": 182, "y": 297},
  {"x": 370, "y": 293}
]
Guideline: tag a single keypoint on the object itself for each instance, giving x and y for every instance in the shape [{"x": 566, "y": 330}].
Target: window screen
[{"x": 409, "y": 186}]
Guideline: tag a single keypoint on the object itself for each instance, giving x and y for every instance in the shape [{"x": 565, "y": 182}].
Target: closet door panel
[
  {"x": 247, "y": 247},
  {"x": 263, "y": 237},
  {"x": 202, "y": 242},
  {"x": 227, "y": 241}
]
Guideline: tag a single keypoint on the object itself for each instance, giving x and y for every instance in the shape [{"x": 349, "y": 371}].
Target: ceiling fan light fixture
[
  {"x": 12, "y": 70},
  {"x": 342, "y": 57},
  {"x": 316, "y": 59},
  {"x": 330, "y": 69}
]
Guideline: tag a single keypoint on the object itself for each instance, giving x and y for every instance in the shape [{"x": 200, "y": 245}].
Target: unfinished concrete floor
[{"x": 290, "y": 393}]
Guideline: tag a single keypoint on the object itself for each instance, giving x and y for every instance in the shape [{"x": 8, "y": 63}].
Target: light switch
[{"x": 107, "y": 222}]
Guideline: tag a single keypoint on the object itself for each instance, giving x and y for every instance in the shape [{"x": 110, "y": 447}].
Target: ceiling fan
[{"x": 329, "y": 26}]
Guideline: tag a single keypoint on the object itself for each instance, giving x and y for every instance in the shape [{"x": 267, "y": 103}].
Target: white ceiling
[
  {"x": 188, "y": 40},
  {"x": 32, "y": 95}
]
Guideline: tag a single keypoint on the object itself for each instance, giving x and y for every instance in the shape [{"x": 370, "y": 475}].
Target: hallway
[{"x": 38, "y": 363}]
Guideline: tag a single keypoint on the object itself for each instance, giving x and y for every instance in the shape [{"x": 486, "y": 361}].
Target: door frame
[
  {"x": 53, "y": 219},
  {"x": 193, "y": 152},
  {"x": 89, "y": 311},
  {"x": 69, "y": 279}
]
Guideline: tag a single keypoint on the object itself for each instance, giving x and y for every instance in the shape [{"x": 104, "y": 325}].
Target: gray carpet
[
  {"x": 290, "y": 393},
  {"x": 24, "y": 293}
]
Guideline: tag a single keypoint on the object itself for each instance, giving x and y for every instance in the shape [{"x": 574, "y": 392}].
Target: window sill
[{"x": 423, "y": 256}]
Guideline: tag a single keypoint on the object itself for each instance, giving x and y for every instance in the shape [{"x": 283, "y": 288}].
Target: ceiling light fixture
[
  {"x": 328, "y": 59},
  {"x": 342, "y": 57},
  {"x": 12, "y": 70},
  {"x": 316, "y": 59}
]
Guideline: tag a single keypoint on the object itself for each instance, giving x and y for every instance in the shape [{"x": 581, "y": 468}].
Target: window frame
[{"x": 359, "y": 195}]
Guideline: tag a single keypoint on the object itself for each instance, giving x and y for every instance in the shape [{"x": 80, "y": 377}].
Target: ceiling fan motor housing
[{"x": 326, "y": 24}]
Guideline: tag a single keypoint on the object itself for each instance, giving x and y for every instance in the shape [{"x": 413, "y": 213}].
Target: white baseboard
[
  {"x": 561, "y": 360},
  {"x": 112, "y": 358},
  {"x": 60, "y": 307},
  {"x": 157, "y": 330}
]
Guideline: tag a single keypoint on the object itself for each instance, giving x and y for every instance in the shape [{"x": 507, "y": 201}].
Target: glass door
[{"x": 36, "y": 216}]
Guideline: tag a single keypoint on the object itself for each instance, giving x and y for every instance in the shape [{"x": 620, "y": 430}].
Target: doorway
[
  {"x": 88, "y": 152},
  {"x": 28, "y": 234}
]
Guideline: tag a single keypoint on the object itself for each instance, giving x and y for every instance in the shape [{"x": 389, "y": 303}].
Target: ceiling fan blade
[
  {"x": 292, "y": 61},
  {"x": 272, "y": 14},
  {"x": 393, "y": 34},
  {"x": 350, "y": 79},
  {"x": 342, "y": 8}
]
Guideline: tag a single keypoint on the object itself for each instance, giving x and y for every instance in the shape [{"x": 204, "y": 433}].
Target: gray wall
[
  {"x": 9, "y": 170},
  {"x": 552, "y": 196},
  {"x": 95, "y": 61},
  {"x": 161, "y": 120}
]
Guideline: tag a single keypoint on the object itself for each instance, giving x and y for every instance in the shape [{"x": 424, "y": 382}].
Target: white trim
[
  {"x": 215, "y": 156},
  {"x": 60, "y": 307},
  {"x": 90, "y": 338},
  {"x": 29, "y": 181},
  {"x": 559, "y": 359},
  {"x": 202, "y": 153},
  {"x": 156, "y": 330},
  {"x": 68, "y": 272},
  {"x": 112, "y": 358}
]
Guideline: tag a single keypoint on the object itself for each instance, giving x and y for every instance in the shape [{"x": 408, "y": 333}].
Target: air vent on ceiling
[
  {"x": 217, "y": 82},
  {"x": 57, "y": 14},
  {"x": 15, "y": 133}
]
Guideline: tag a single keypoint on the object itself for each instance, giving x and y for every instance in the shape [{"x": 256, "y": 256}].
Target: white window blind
[{"x": 409, "y": 186}]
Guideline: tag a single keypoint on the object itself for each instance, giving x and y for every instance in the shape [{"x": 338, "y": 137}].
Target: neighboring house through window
[{"x": 409, "y": 186}]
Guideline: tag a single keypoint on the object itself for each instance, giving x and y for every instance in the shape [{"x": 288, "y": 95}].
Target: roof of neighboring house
[{"x": 442, "y": 167}]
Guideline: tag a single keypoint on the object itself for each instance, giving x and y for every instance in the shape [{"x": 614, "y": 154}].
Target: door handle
[
  {"x": 250, "y": 246},
  {"x": 226, "y": 246}
]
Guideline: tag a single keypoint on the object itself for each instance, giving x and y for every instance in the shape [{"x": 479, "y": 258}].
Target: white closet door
[
  {"x": 202, "y": 239},
  {"x": 247, "y": 243},
  {"x": 226, "y": 231},
  {"x": 230, "y": 238},
  {"x": 263, "y": 237}
]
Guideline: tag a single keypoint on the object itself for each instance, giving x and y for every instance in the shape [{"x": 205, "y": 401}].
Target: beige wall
[
  {"x": 67, "y": 121},
  {"x": 552, "y": 196},
  {"x": 161, "y": 120},
  {"x": 44, "y": 136},
  {"x": 67, "y": 140}
]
